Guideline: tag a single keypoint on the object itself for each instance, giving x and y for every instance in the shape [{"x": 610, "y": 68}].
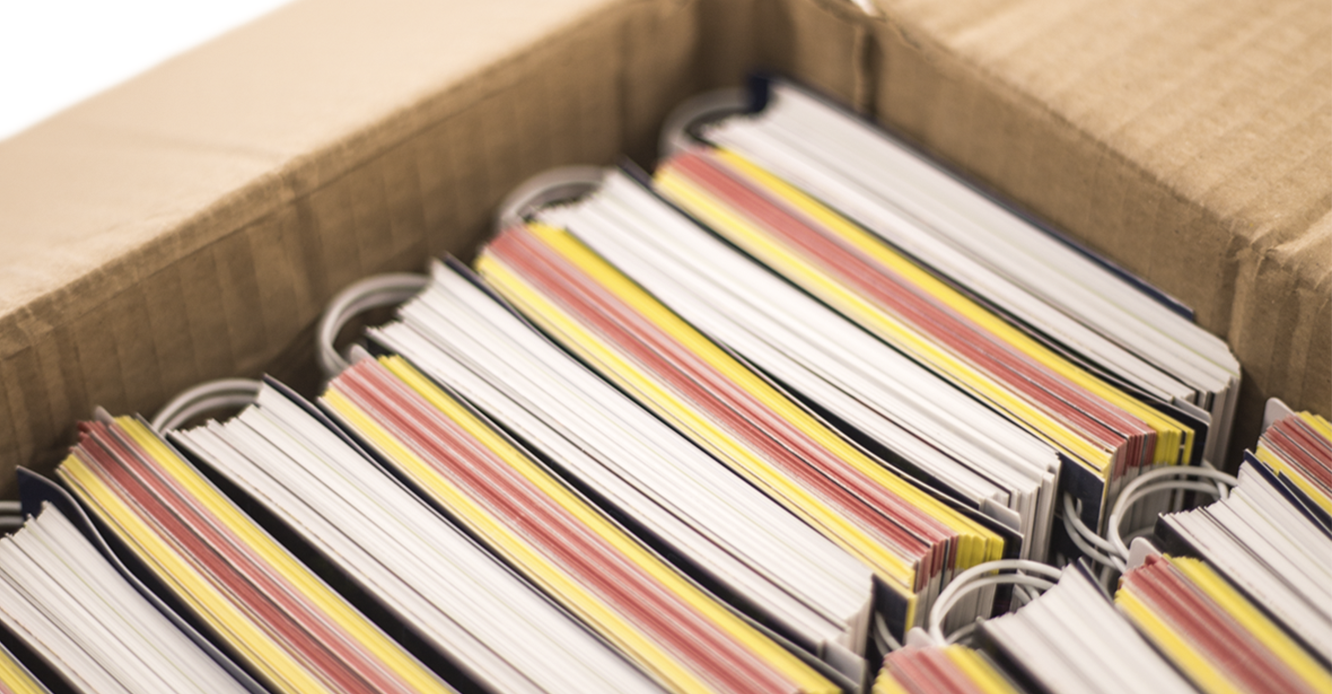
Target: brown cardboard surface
[{"x": 191, "y": 224}]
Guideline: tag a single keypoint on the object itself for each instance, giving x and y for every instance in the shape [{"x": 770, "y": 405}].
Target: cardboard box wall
[{"x": 192, "y": 223}]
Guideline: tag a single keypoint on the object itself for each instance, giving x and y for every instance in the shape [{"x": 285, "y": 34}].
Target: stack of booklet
[
  {"x": 742, "y": 425},
  {"x": 1070, "y": 639},
  {"x": 271, "y": 612},
  {"x": 1247, "y": 612},
  {"x": 560, "y": 542},
  {"x": 1095, "y": 363},
  {"x": 679, "y": 500},
  {"x": 1298, "y": 449},
  {"x": 1073, "y": 302},
  {"x": 1108, "y": 432},
  {"x": 898, "y": 409},
  {"x": 494, "y": 630},
  {"x": 911, "y": 539}
]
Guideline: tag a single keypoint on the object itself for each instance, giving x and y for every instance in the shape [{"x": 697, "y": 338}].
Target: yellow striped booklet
[
  {"x": 911, "y": 540},
  {"x": 899, "y": 410},
  {"x": 940, "y": 669},
  {"x": 82, "y": 624},
  {"x": 1051, "y": 287},
  {"x": 711, "y": 523},
  {"x": 1298, "y": 448},
  {"x": 280, "y": 620},
  {"x": 654, "y": 615},
  {"x": 1212, "y": 633},
  {"x": 1105, "y": 434},
  {"x": 489, "y": 628}
]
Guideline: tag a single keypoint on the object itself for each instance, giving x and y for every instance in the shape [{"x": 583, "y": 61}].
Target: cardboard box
[{"x": 191, "y": 223}]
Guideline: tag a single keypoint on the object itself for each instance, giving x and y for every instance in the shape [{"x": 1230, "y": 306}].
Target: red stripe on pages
[
  {"x": 920, "y": 674},
  {"x": 1314, "y": 442},
  {"x": 1103, "y": 422},
  {"x": 882, "y": 283},
  {"x": 1227, "y": 644},
  {"x": 1289, "y": 447},
  {"x": 453, "y": 453},
  {"x": 1297, "y": 446},
  {"x": 899, "y": 524},
  {"x": 274, "y": 604}
]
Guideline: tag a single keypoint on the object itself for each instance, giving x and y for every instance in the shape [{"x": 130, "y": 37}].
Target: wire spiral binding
[
  {"x": 1112, "y": 551},
  {"x": 547, "y": 188},
  {"x": 1139, "y": 488},
  {"x": 976, "y": 578},
  {"x": 371, "y": 292},
  {"x": 676, "y": 133},
  {"x": 205, "y": 397}
]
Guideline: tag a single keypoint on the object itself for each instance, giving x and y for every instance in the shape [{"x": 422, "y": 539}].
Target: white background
[{"x": 55, "y": 53}]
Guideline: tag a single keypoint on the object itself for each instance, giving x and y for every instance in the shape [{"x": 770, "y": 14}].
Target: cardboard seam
[{"x": 867, "y": 71}]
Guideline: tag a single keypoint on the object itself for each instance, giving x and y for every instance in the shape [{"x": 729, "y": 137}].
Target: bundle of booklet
[
  {"x": 496, "y": 630},
  {"x": 1074, "y": 302},
  {"x": 713, "y": 524},
  {"x": 733, "y": 427},
  {"x": 1212, "y": 633},
  {"x": 1070, "y": 639},
  {"x": 275, "y": 616},
  {"x": 1090, "y": 360},
  {"x": 588, "y": 609},
  {"x": 1246, "y": 613},
  {"x": 911, "y": 539}
]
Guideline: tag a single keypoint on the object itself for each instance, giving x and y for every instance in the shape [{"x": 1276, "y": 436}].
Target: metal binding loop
[
  {"x": 205, "y": 397},
  {"x": 1139, "y": 488},
  {"x": 372, "y": 292},
  {"x": 1091, "y": 544},
  {"x": 883, "y": 639},
  {"x": 677, "y": 130},
  {"x": 974, "y": 579},
  {"x": 564, "y": 184}
]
